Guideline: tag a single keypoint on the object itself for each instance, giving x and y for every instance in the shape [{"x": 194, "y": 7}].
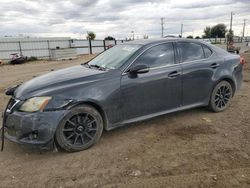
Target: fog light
[{"x": 33, "y": 135}]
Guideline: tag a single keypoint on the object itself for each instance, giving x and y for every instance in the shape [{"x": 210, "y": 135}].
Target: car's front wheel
[
  {"x": 221, "y": 96},
  {"x": 80, "y": 128}
]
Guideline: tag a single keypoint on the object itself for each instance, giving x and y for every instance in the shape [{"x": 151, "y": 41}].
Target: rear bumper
[
  {"x": 238, "y": 76},
  {"x": 32, "y": 129}
]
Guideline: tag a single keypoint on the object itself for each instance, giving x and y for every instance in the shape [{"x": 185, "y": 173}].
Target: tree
[
  {"x": 230, "y": 36},
  {"x": 190, "y": 37},
  {"x": 109, "y": 38},
  {"x": 218, "y": 30},
  {"x": 145, "y": 36},
  {"x": 197, "y": 37},
  {"x": 91, "y": 35},
  {"x": 207, "y": 32}
]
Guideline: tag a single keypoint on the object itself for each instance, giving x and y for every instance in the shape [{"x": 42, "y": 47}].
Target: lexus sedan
[{"x": 129, "y": 82}]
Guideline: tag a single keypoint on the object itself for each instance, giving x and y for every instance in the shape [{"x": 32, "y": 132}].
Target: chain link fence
[{"x": 41, "y": 48}]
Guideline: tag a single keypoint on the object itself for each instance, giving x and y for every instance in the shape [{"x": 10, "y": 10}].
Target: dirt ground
[{"x": 193, "y": 148}]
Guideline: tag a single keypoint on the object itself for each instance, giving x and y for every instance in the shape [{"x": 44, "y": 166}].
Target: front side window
[
  {"x": 190, "y": 51},
  {"x": 157, "y": 56}
]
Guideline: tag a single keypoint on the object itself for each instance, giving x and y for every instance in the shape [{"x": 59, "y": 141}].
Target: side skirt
[{"x": 142, "y": 118}]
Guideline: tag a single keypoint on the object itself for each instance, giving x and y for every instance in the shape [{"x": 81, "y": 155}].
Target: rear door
[
  {"x": 198, "y": 68},
  {"x": 155, "y": 91}
]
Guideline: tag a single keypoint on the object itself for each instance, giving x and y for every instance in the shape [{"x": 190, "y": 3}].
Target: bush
[{"x": 32, "y": 58}]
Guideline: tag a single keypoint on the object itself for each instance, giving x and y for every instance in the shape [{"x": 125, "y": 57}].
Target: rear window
[
  {"x": 207, "y": 51},
  {"x": 190, "y": 51}
]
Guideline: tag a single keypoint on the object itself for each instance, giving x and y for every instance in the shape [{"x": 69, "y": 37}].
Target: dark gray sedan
[{"x": 130, "y": 82}]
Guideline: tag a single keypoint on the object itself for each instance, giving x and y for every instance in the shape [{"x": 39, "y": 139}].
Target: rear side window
[
  {"x": 207, "y": 51},
  {"x": 190, "y": 51},
  {"x": 157, "y": 56}
]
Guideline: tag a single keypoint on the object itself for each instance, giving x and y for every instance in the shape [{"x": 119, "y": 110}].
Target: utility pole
[
  {"x": 133, "y": 34},
  {"x": 230, "y": 34},
  {"x": 231, "y": 21},
  {"x": 181, "y": 29},
  {"x": 162, "y": 27},
  {"x": 244, "y": 26}
]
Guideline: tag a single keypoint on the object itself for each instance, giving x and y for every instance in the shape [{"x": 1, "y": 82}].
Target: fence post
[
  {"x": 90, "y": 46},
  {"x": 104, "y": 45},
  {"x": 20, "y": 47},
  {"x": 49, "y": 49},
  {"x": 115, "y": 42}
]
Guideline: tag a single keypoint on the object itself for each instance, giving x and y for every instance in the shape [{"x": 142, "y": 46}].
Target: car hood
[{"x": 58, "y": 80}]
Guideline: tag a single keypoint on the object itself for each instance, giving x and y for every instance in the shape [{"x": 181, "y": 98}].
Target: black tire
[
  {"x": 79, "y": 129},
  {"x": 221, "y": 96}
]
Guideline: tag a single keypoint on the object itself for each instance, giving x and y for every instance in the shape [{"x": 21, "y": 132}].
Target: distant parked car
[
  {"x": 130, "y": 82},
  {"x": 17, "y": 58}
]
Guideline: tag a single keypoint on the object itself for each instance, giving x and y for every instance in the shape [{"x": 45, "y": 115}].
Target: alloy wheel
[
  {"x": 222, "y": 96},
  {"x": 80, "y": 129}
]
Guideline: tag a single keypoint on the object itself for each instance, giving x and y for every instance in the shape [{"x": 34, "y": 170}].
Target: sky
[{"x": 118, "y": 18}]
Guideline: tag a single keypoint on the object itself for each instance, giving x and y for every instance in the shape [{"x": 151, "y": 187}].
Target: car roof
[
  {"x": 161, "y": 40},
  {"x": 150, "y": 42}
]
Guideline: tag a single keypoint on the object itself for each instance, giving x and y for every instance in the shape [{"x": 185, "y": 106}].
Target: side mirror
[{"x": 139, "y": 69}]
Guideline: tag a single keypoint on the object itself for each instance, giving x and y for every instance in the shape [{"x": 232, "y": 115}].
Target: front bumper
[{"x": 33, "y": 129}]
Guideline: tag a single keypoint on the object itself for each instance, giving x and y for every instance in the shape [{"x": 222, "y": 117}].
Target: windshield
[{"x": 114, "y": 57}]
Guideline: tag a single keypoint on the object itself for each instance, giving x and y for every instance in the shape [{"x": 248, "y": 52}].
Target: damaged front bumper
[{"x": 33, "y": 129}]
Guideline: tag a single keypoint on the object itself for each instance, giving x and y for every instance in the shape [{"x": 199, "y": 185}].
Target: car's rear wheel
[
  {"x": 221, "y": 96},
  {"x": 80, "y": 128}
]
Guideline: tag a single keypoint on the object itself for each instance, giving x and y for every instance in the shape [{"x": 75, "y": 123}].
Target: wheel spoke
[
  {"x": 227, "y": 90},
  {"x": 92, "y": 129},
  {"x": 78, "y": 118},
  {"x": 223, "y": 102},
  {"x": 217, "y": 95},
  {"x": 88, "y": 135},
  {"x": 76, "y": 139},
  {"x": 82, "y": 139},
  {"x": 219, "y": 104},
  {"x": 70, "y": 136},
  {"x": 85, "y": 118},
  {"x": 90, "y": 123},
  {"x": 220, "y": 91},
  {"x": 71, "y": 122},
  {"x": 68, "y": 130}
]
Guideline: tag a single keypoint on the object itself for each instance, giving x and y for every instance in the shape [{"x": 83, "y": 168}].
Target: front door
[{"x": 156, "y": 91}]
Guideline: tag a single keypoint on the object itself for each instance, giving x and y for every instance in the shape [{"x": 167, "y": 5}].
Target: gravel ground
[{"x": 193, "y": 148}]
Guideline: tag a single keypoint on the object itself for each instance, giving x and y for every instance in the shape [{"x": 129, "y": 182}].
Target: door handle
[
  {"x": 174, "y": 74},
  {"x": 214, "y": 65}
]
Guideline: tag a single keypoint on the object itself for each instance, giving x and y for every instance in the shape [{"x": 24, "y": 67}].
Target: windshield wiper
[{"x": 96, "y": 66}]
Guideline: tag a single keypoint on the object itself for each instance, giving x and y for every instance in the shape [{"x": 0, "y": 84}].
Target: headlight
[{"x": 35, "y": 104}]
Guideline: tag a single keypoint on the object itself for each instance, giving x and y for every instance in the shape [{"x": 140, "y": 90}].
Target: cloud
[{"x": 118, "y": 18}]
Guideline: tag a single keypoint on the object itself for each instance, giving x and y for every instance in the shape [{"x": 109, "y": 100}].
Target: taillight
[{"x": 242, "y": 61}]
